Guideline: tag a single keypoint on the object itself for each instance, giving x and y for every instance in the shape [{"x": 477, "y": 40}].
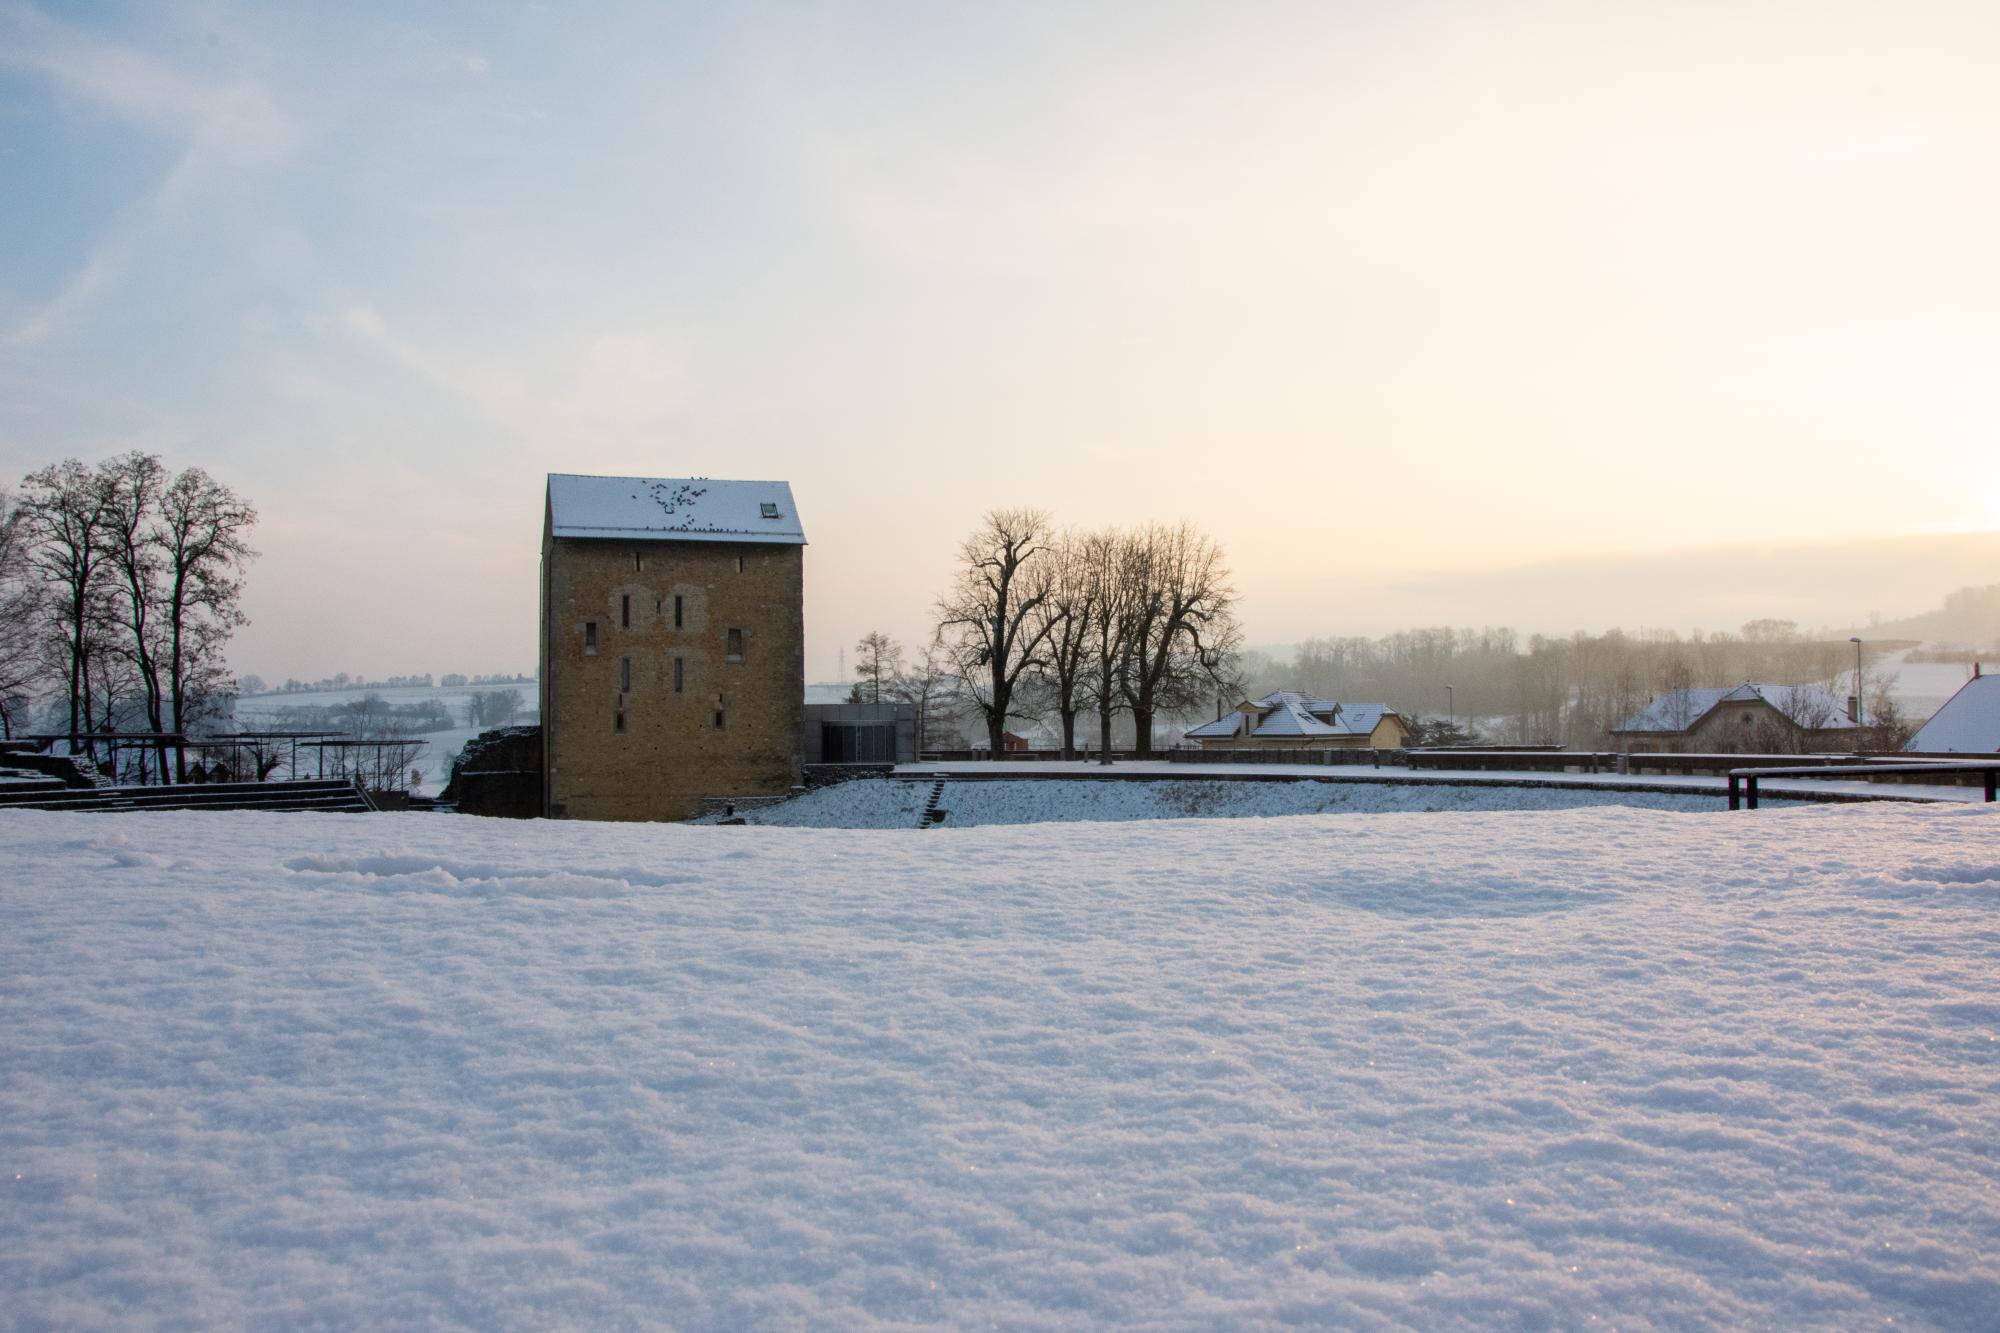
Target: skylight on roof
[{"x": 768, "y": 509}]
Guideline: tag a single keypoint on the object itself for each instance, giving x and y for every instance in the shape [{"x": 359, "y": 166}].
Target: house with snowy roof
[
  {"x": 1751, "y": 718},
  {"x": 672, "y": 644},
  {"x": 1966, "y": 723},
  {"x": 1291, "y": 720}
]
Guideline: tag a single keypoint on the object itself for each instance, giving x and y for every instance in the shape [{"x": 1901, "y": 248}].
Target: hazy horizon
[{"x": 1541, "y": 314}]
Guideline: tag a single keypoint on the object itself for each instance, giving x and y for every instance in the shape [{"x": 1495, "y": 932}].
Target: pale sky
[{"x": 1393, "y": 299}]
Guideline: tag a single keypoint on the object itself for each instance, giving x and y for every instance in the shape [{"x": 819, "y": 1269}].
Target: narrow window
[
  {"x": 625, "y": 611},
  {"x": 718, "y": 719},
  {"x": 680, "y": 674},
  {"x": 638, "y": 562},
  {"x": 618, "y": 721},
  {"x": 739, "y": 564},
  {"x": 677, "y": 610},
  {"x": 625, "y": 675},
  {"x": 590, "y": 636},
  {"x": 734, "y": 652}
]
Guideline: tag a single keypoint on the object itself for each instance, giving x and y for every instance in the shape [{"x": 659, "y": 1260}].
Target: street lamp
[
  {"x": 1856, "y": 711},
  {"x": 1450, "y": 710}
]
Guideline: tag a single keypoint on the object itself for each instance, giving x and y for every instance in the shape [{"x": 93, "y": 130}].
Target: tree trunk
[
  {"x": 1142, "y": 731},
  {"x": 1069, "y": 734},
  {"x": 1104, "y": 736}
]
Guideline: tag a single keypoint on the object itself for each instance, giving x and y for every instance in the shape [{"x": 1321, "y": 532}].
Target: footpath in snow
[{"x": 1529, "y": 1069}]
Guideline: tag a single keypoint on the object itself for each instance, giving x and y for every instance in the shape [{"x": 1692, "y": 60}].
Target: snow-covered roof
[
  {"x": 683, "y": 509},
  {"x": 1289, "y": 713},
  {"x": 1364, "y": 718},
  {"x": 1969, "y": 721},
  {"x": 1677, "y": 710}
]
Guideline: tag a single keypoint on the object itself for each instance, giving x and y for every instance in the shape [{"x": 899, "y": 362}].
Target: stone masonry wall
[{"x": 673, "y": 750}]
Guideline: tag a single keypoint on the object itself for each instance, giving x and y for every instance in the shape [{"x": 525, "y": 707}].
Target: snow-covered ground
[
  {"x": 886, "y": 803},
  {"x": 1595, "y": 1066}
]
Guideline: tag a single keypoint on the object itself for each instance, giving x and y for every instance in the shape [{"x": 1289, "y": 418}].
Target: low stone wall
[{"x": 498, "y": 774}]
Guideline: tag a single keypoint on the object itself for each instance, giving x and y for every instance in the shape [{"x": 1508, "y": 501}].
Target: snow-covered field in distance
[
  {"x": 261, "y": 712},
  {"x": 1634, "y": 1068},
  {"x": 1919, "y": 688}
]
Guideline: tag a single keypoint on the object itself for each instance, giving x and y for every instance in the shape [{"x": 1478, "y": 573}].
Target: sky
[{"x": 1554, "y": 315}]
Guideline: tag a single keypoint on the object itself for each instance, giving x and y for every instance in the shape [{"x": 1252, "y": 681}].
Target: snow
[
  {"x": 1968, "y": 722},
  {"x": 886, "y": 803},
  {"x": 1635, "y": 1068},
  {"x": 1919, "y": 688},
  {"x": 673, "y": 509}
]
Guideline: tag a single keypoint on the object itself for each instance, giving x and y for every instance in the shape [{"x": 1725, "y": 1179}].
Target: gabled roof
[
  {"x": 1678, "y": 710},
  {"x": 682, "y": 509},
  {"x": 1968, "y": 722},
  {"x": 1290, "y": 713}
]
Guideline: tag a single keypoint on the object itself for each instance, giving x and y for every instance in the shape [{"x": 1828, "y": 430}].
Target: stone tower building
[{"x": 673, "y": 644}]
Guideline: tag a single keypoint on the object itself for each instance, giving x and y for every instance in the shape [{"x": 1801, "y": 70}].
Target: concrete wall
[
  {"x": 902, "y": 716},
  {"x": 671, "y": 752}
]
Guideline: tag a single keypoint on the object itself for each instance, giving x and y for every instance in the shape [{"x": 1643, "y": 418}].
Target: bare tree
[
  {"x": 1677, "y": 708},
  {"x": 21, "y": 659},
  {"x": 987, "y": 623},
  {"x": 133, "y": 484},
  {"x": 63, "y": 511},
  {"x": 203, "y": 552},
  {"x": 926, "y": 687},
  {"x": 877, "y": 659},
  {"x": 1066, "y": 622},
  {"x": 1107, "y": 558},
  {"x": 1182, "y": 625}
]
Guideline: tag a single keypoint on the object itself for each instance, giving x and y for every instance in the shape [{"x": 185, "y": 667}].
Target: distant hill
[{"x": 1969, "y": 616}]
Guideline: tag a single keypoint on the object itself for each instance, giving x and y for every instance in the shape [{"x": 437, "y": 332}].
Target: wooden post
[{"x": 1735, "y": 792}]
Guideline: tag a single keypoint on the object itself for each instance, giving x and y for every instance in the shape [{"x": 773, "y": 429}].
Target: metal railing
[{"x": 1743, "y": 781}]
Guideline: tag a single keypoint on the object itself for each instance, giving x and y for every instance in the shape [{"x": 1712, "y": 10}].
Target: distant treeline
[
  {"x": 372, "y": 717},
  {"x": 1558, "y": 690},
  {"x": 248, "y": 686}
]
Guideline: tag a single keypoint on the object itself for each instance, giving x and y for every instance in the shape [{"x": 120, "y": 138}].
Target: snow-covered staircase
[{"x": 932, "y": 815}]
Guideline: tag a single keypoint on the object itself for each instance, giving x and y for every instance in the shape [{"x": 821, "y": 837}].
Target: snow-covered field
[
  {"x": 1633, "y": 1068},
  {"x": 1920, "y": 688}
]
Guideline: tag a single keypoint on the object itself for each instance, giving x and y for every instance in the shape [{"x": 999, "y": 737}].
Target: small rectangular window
[
  {"x": 618, "y": 722},
  {"x": 680, "y": 675},
  {"x": 590, "y": 636},
  {"x": 768, "y": 509},
  {"x": 638, "y": 562},
  {"x": 718, "y": 719},
  {"x": 625, "y": 675},
  {"x": 734, "y": 652},
  {"x": 739, "y": 564},
  {"x": 677, "y": 610},
  {"x": 625, "y": 611}
]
